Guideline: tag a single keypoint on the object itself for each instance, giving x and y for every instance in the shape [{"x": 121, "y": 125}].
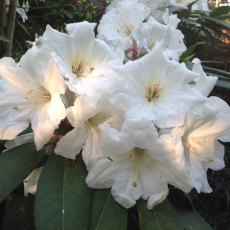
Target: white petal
[
  {"x": 91, "y": 151},
  {"x": 31, "y": 182},
  {"x": 42, "y": 128},
  {"x": 12, "y": 122},
  {"x": 103, "y": 174},
  {"x": 56, "y": 110},
  {"x": 204, "y": 83},
  {"x": 124, "y": 191},
  {"x": 156, "y": 199},
  {"x": 71, "y": 144},
  {"x": 20, "y": 140},
  {"x": 53, "y": 81}
]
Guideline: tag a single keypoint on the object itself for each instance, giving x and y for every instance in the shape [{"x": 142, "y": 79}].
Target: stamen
[
  {"x": 38, "y": 96},
  {"x": 82, "y": 68},
  {"x": 153, "y": 92},
  {"x": 125, "y": 30},
  {"x": 137, "y": 155},
  {"x": 139, "y": 150}
]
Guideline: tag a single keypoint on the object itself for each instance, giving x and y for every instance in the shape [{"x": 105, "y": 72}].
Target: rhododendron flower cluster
[{"x": 140, "y": 118}]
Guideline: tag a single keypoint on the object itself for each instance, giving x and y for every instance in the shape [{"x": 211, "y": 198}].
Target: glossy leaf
[
  {"x": 223, "y": 83},
  {"x": 161, "y": 217},
  {"x": 220, "y": 11},
  {"x": 63, "y": 198},
  {"x": 106, "y": 213},
  {"x": 184, "y": 207},
  {"x": 192, "y": 220},
  {"x": 217, "y": 21},
  {"x": 190, "y": 52},
  {"x": 219, "y": 73},
  {"x": 15, "y": 166}
]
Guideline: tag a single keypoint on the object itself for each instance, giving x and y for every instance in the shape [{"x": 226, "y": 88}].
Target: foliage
[
  {"x": 212, "y": 32},
  {"x": 56, "y": 13}
]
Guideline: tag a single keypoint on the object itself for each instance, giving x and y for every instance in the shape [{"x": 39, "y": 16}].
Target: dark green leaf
[
  {"x": 23, "y": 28},
  {"x": 189, "y": 218},
  {"x": 67, "y": 13},
  {"x": 219, "y": 73},
  {"x": 184, "y": 205},
  {"x": 15, "y": 166},
  {"x": 223, "y": 83},
  {"x": 220, "y": 11},
  {"x": 188, "y": 54},
  {"x": 106, "y": 213},
  {"x": 161, "y": 217},
  {"x": 19, "y": 212},
  {"x": 63, "y": 198},
  {"x": 192, "y": 220},
  {"x": 222, "y": 23},
  {"x": 4, "y": 39}
]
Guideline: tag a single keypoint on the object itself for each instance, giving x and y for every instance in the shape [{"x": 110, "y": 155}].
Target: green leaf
[
  {"x": 217, "y": 21},
  {"x": 189, "y": 218},
  {"x": 67, "y": 14},
  {"x": 161, "y": 217},
  {"x": 219, "y": 73},
  {"x": 220, "y": 11},
  {"x": 23, "y": 28},
  {"x": 192, "y": 220},
  {"x": 106, "y": 213},
  {"x": 63, "y": 198},
  {"x": 223, "y": 83},
  {"x": 19, "y": 213},
  {"x": 4, "y": 39},
  {"x": 184, "y": 205},
  {"x": 15, "y": 166},
  {"x": 188, "y": 54}
]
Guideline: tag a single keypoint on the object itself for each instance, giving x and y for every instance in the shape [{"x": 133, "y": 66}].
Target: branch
[
  {"x": 2, "y": 23},
  {"x": 10, "y": 27}
]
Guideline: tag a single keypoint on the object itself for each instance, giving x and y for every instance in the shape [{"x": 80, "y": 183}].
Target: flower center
[
  {"x": 82, "y": 68},
  {"x": 38, "y": 96},
  {"x": 153, "y": 92},
  {"x": 137, "y": 156},
  {"x": 140, "y": 159},
  {"x": 125, "y": 30},
  {"x": 96, "y": 120},
  {"x": 191, "y": 144},
  {"x": 34, "y": 97}
]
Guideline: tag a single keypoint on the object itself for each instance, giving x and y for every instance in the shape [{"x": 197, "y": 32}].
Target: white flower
[
  {"x": 197, "y": 148},
  {"x": 85, "y": 116},
  {"x": 118, "y": 24},
  {"x": 157, "y": 7},
  {"x": 79, "y": 55},
  {"x": 31, "y": 182},
  {"x": 153, "y": 31},
  {"x": 135, "y": 165},
  {"x": 33, "y": 96},
  {"x": 156, "y": 88}
]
